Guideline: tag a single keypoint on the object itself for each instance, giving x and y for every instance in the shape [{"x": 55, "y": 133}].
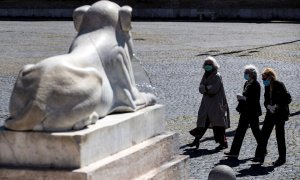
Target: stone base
[
  {"x": 155, "y": 158},
  {"x": 177, "y": 169},
  {"x": 121, "y": 146},
  {"x": 80, "y": 148}
]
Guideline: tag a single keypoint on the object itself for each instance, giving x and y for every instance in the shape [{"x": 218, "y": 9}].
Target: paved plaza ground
[{"x": 172, "y": 54}]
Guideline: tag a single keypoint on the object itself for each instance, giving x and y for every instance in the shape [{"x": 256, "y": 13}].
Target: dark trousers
[
  {"x": 243, "y": 125},
  {"x": 272, "y": 120},
  {"x": 219, "y": 133}
]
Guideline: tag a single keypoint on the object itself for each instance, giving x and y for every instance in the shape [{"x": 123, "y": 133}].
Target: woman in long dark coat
[
  {"x": 277, "y": 100},
  {"x": 249, "y": 109},
  {"x": 213, "y": 106}
]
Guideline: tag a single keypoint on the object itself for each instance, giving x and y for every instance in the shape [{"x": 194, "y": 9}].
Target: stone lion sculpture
[{"x": 93, "y": 80}]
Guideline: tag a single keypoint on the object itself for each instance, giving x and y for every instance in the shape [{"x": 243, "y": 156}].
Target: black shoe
[
  {"x": 259, "y": 159},
  {"x": 279, "y": 162},
  {"x": 196, "y": 143},
  {"x": 221, "y": 147},
  {"x": 229, "y": 154}
]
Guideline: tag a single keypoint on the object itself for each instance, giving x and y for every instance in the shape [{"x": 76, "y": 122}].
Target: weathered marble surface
[
  {"x": 155, "y": 158},
  {"x": 120, "y": 146},
  {"x": 94, "y": 79},
  {"x": 75, "y": 149}
]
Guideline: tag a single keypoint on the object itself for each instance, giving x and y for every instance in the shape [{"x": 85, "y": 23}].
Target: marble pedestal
[{"x": 120, "y": 146}]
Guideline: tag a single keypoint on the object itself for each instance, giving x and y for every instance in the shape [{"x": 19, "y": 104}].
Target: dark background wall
[
  {"x": 63, "y": 4},
  {"x": 197, "y": 9}
]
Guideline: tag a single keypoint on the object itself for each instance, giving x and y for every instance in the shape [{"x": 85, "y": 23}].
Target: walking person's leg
[
  {"x": 217, "y": 134},
  {"x": 198, "y": 133},
  {"x": 280, "y": 137},
  {"x": 254, "y": 125},
  {"x": 238, "y": 137},
  {"x": 220, "y": 137},
  {"x": 265, "y": 133}
]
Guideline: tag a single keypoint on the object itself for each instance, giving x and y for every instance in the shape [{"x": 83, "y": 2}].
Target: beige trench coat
[{"x": 214, "y": 103}]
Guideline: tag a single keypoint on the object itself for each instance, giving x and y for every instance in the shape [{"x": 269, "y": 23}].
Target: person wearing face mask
[
  {"x": 213, "y": 108},
  {"x": 277, "y": 100},
  {"x": 249, "y": 109}
]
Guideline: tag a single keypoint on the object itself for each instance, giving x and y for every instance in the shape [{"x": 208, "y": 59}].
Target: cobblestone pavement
[{"x": 172, "y": 54}]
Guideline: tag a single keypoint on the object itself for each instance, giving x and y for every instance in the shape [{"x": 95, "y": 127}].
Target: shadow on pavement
[
  {"x": 232, "y": 162},
  {"x": 255, "y": 170},
  {"x": 194, "y": 153},
  {"x": 295, "y": 114},
  {"x": 228, "y": 134}
]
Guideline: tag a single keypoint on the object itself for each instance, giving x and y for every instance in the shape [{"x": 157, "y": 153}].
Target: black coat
[
  {"x": 250, "y": 107},
  {"x": 279, "y": 96}
]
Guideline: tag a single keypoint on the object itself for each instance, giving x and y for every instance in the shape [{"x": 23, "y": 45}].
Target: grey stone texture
[
  {"x": 223, "y": 172},
  {"x": 172, "y": 54}
]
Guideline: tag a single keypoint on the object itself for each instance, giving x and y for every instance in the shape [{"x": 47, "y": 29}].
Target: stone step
[
  {"x": 71, "y": 150},
  {"x": 176, "y": 169},
  {"x": 126, "y": 164},
  {"x": 136, "y": 160}
]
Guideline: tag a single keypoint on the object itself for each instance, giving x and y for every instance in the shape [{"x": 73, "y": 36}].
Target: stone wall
[
  {"x": 211, "y": 4},
  {"x": 170, "y": 9}
]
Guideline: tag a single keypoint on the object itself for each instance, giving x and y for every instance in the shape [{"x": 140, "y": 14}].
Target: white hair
[
  {"x": 213, "y": 60},
  {"x": 252, "y": 69}
]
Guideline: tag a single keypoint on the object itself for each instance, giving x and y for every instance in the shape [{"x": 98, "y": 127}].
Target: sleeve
[
  {"x": 215, "y": 86},
  {"x": 202, "y": 88},
  {"x": 267, "y": 97},
  {"x": 285, "y": 96}
]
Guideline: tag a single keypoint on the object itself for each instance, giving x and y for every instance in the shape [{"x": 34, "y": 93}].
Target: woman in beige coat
[{"x": 213, "y": 106}]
